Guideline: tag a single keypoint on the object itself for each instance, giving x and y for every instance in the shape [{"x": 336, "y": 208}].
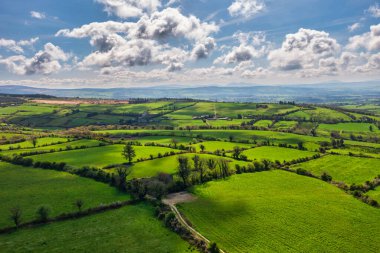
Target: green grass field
[
  {"x": 229, "y": 110},
  {"x": 56, "y": 147},
  {"x": 285, "y": 125},
  {"x": 279, "y": 211},
  {"x": 128, "y": 229},
  {"x": 348, "y": 127},
  {"x": 163, "y": 139},
  {"x": 263, "y": 123},
  {"x": 344, "y": 168},
  {"x": 28, "y": 144},
  {"x": 99, "y": 156},
  {"x": 375, "y": 194},
  {"x": 30, "y": 188},
  {"x": 274, "y": 153},
  {"x": 211, "y": 146}
]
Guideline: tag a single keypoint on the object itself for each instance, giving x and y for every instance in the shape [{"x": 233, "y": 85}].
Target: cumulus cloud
[
  {"x": 369, "y": 41},
  {"x": 170, "y": 22},
  {"x": 303, "y": 50},
  {"x": 252, "y": 45},
  {"x": 374, "y": 10},
  {"x": 45, "y": 61},
  {"x": 203, "y": 49},
  {"x": 146, "y": 41},
  {"x": 246, "y": 8},
  {"x": 16, "y": 46},
  {"x": 129, "y": 8},
  {"x": 37, "y": 15}
]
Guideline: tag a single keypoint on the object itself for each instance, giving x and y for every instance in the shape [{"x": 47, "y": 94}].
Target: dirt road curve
[{"x": 182, "y": 197}]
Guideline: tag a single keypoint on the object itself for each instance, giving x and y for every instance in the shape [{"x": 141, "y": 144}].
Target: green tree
[
  {"x": 34, "y": 141},
  {"x": 122, "y": 173},
  {"x": 202, "y": 147},
  {"x": 43, "y": 213},
  {"x": 129, "y": 152},
  {"x": 213, "y": 248},
  {"x": 15, "y": 215},
  {"x": 326, "y": 177},
  {"x": 236, "y": 152},
  {"x": 184, "y": 170}
]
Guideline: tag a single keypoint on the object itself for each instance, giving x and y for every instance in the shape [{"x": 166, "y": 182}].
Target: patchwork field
[
  {"x": 100, "y": 156},
  {"x": 56, "y": 147},
  {"x": 30, "y": 188},
  {"x": 128, "y": 229},
  {"x": 351, "y": 170},
  {"x": 279, "y": 211},
  {"x": 28, "y": 144},
  {"x": 276, "y": 153},
  {"x": 211, "y": 146},
  {"x": 271, "y": 211}
]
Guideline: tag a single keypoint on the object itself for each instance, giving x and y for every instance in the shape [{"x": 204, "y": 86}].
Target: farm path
[{"x": 182, "y": 197}]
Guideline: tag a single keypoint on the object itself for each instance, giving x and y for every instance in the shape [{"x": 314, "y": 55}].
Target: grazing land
[
  {"x": 351, "y": 170},
  {"x": 29, "y": 188},
  {"x": 279, "y": 211},
  {"x": 276, "y": 153},
  {"x": 123, "y": 230}
]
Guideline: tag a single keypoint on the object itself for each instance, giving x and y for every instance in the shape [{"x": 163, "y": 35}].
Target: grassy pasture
[
  {"x": 274, "y": 153},
  {"x": 229, "y": 110},
  {"x": 56, "y": 147},
  {"x": 128, "y": 229},
  {"x": 238, "y": 135},
  {"x": 348, "y": 127},
  {"x": 278, "y": 211},
  {"x": 263, "y": 123},
  {"x": 163, "y": 139},
  {"x": 30, "y": 188},
  {"x": 28, "y": 144},
  {"x": 320, "y": 114},
  {"x": 284, "y": 125},
  {"x": 99, "y": 156},
  {"x": 344, "y": 168},
  {"x": 28, "y": 109},
  {"x": 211, "y": 146},
  {"x": 375, "y": 194},
  {"x": 169, "y": 165}
]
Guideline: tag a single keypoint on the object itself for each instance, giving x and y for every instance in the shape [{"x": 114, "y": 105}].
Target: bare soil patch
[
  {"x": 79, "y": 101},
  {"x": 179, "y": 197}
]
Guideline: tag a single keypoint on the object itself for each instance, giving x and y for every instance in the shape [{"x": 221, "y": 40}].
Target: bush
[
  {"x": 326, "y": 177},
  {"x": 43, "y": 213}
]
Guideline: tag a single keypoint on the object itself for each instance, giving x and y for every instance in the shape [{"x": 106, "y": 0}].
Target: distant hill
[{"x": 316, "y": 93}]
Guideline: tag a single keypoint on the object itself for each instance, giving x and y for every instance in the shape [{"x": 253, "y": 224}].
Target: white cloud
[
  {"x": 37, "y": 15},
  {"x": 203, "y": 49},
  {"x": 252, "y": 45},
  {"x": 45, "y": 62},
  {"x": 369, "y": 41},
  {"x": 129, "y": 8},
  {"x": 146, "y": 41},
  {"x": 374, "y": 10},
  {"x": 303, "y": 50},
  {"x": 16, "y": 46},
  {"x": 246, "y": 8},
  {"x": 354, "y": 27}
]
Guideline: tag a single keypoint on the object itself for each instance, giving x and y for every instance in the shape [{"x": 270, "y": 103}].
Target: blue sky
[{"x": 198, "y": 42}]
